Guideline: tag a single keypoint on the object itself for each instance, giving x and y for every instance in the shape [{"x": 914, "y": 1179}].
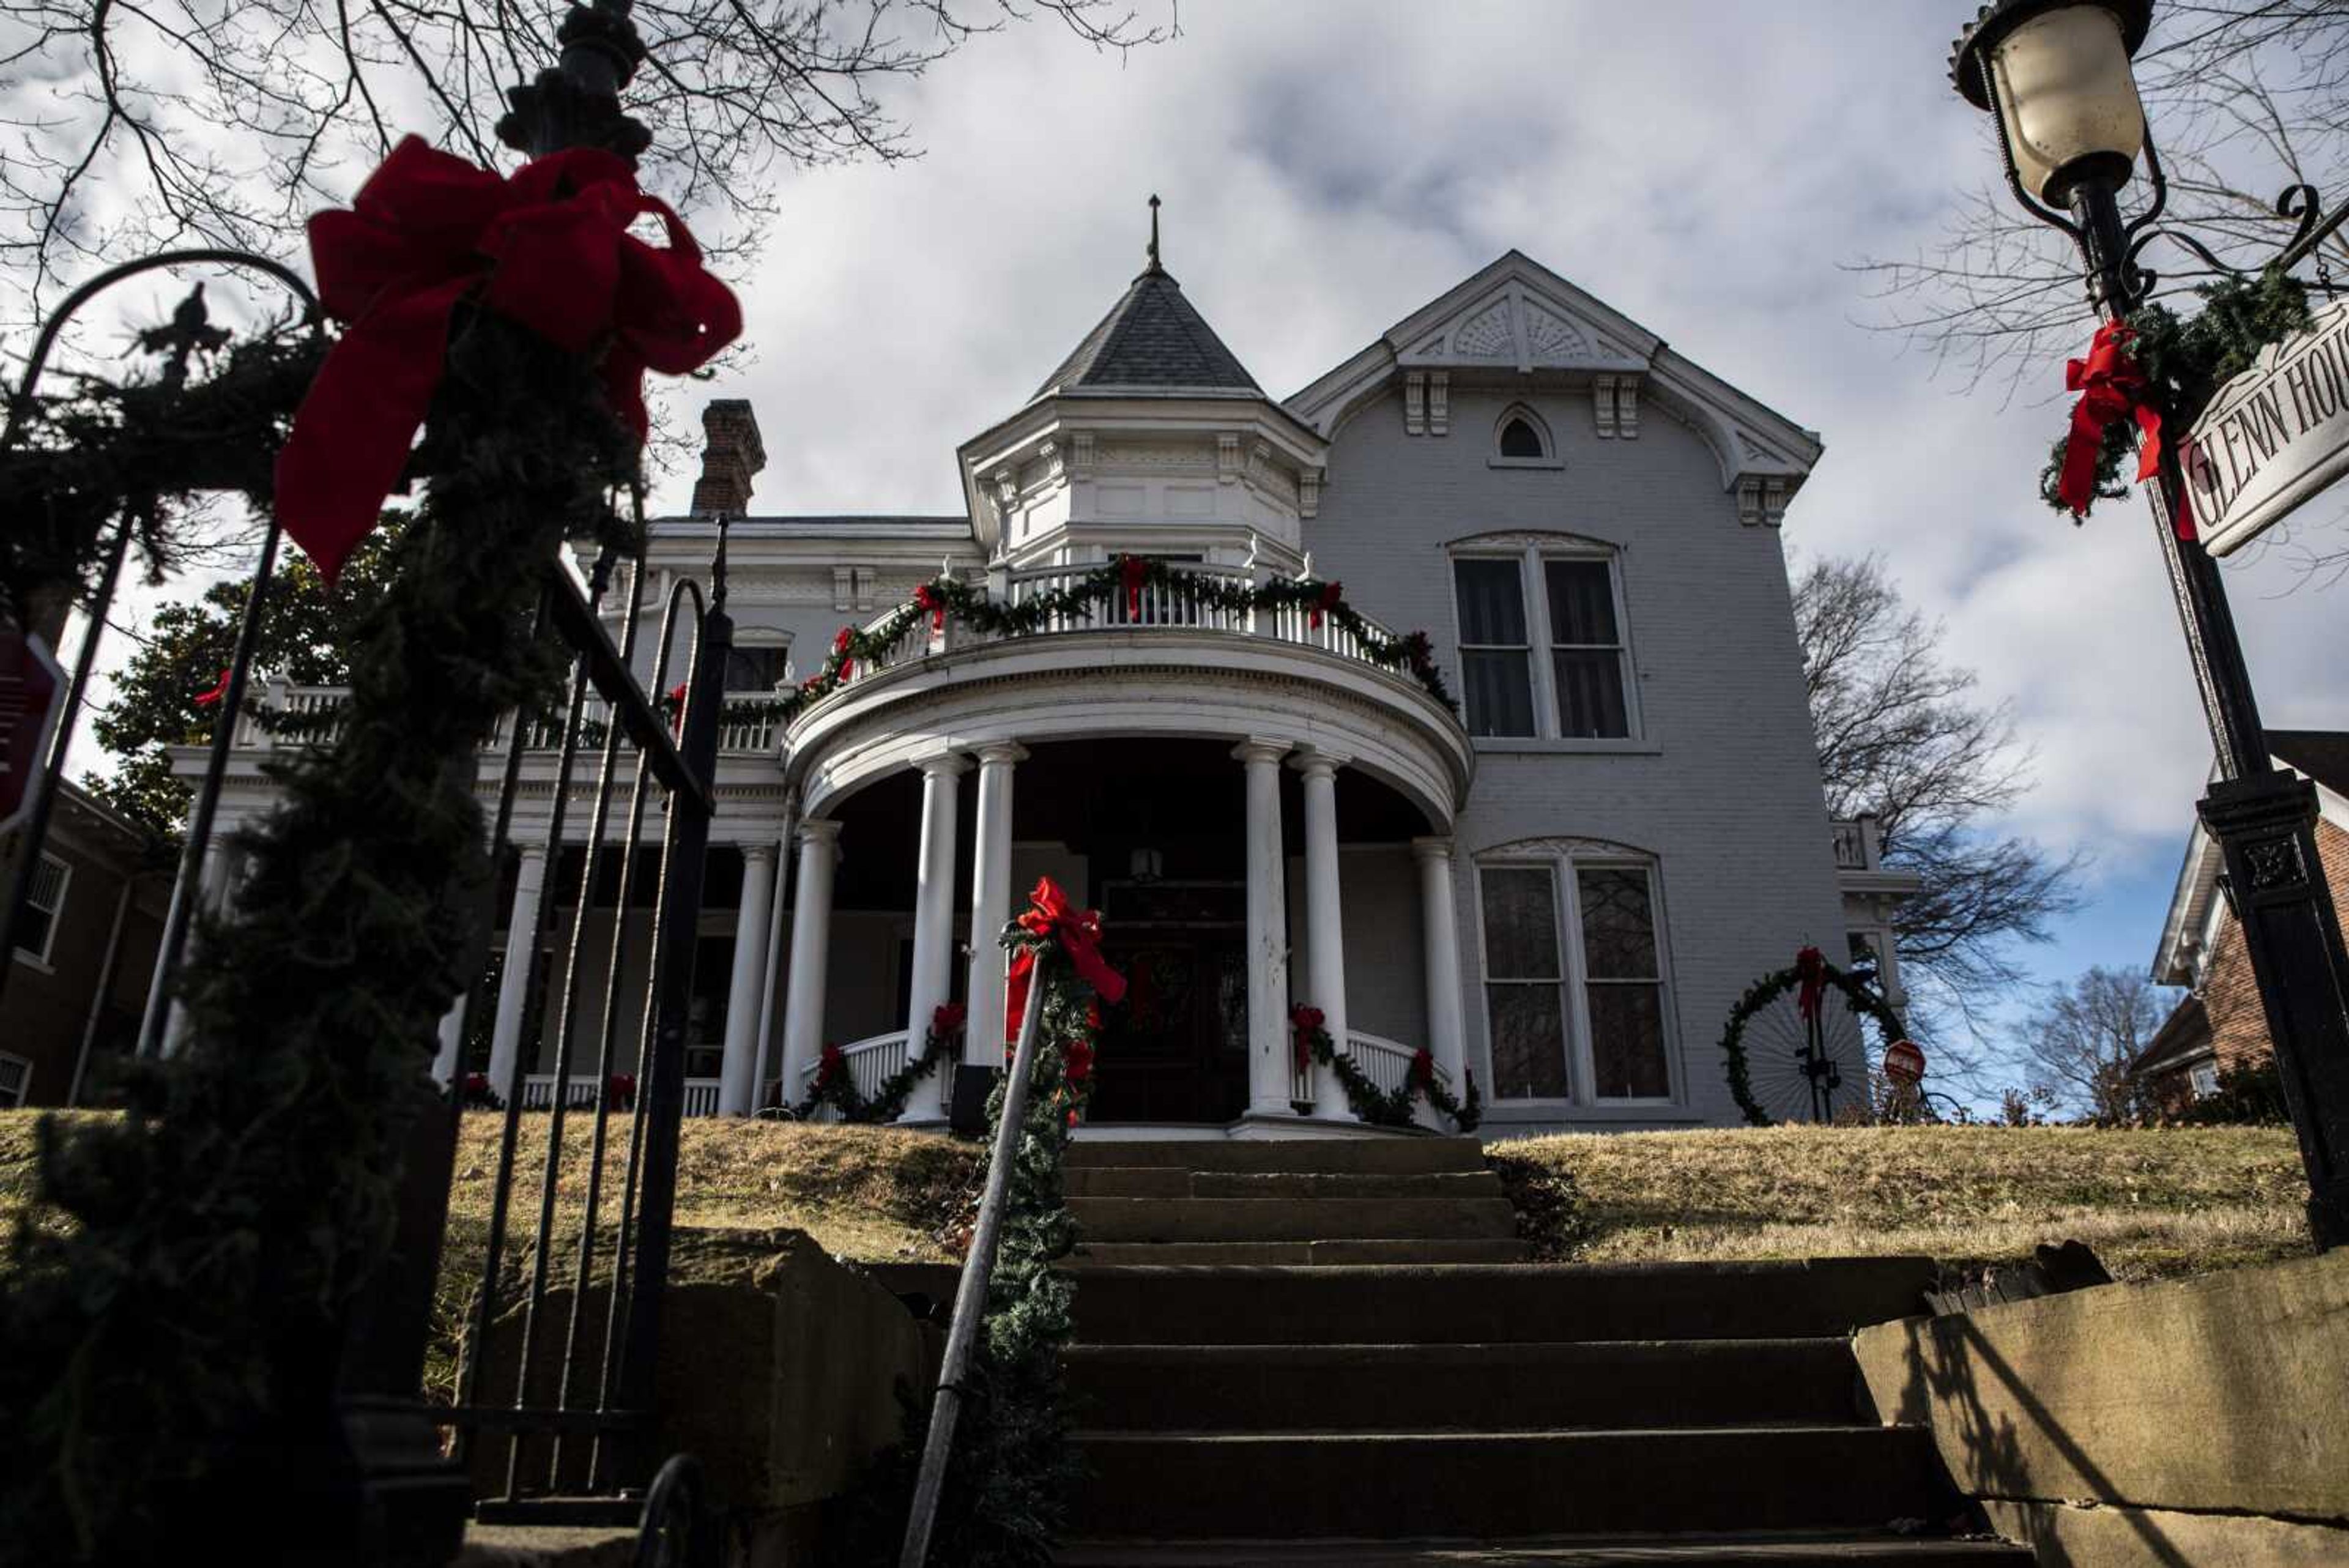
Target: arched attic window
[{"x": 1521, "y": 438}]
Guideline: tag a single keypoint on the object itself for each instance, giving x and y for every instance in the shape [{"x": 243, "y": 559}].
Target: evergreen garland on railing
[
  {"x": 1124, "y": 577},
  {"x": 835, "y": 1086},
  {"x": 1384, "y": 1107}
]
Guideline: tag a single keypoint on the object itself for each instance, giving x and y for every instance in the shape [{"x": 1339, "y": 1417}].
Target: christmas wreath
[
  {"x": 1814, "y": 977},
  {"x": 1383, "y": 1107}
]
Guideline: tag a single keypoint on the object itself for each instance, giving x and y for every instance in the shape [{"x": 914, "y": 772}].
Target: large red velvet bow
[
  {"x": 1330, "y": 594},
  {"x": 1130, "y": 570},
  {"x": 1049, "y": 915},
  {"x": 927, "y": 598},
  {"x": 547, "y": 246},
  {"x": 841, "y": 644},
  {"x": 1811, "y": 971},
  {"x": 1305, "y": 1022},
  {"x": 2110, "y": 385}
]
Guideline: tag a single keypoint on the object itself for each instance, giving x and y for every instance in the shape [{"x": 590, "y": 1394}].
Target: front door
[{"x": 1176, "y": 1050}]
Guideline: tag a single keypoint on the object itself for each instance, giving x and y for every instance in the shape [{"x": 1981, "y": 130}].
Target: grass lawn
[{"x": 2153, "y": 1203}]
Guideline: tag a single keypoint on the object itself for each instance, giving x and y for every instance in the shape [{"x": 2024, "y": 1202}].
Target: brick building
[
  {"x": 2220, "y": 1024},
  {"x": 83, "y": 956}
]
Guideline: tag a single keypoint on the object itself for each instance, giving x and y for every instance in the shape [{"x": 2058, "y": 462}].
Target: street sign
[
  {"x": 2273, "y": 436},
  {"x": 30, "y": 686}
]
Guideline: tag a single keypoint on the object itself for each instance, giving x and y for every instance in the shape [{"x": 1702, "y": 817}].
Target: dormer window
[{"x": 1520, "y": 439}]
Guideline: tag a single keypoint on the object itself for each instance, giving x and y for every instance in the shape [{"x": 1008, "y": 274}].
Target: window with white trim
[
  {"x": 757, "y": 666},
  {"x": 44, "y": 905},
  {"x": 2204, "y": 1077},
  {"x": 15, "y": 1079},
  {"x": 1574, "y": 979},
  {"x": 1581, "y": 690}
]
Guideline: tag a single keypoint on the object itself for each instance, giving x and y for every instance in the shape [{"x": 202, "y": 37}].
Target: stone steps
[
  {"x": 1291, "y": 1218},
  {"x": 1744, "y": 1550},
  {"x": 1310, "y": 1157},
  {"x": 1164, "y": 1181},
  {"x": 1494, "y": 1485},
  {"x": 1293, "y": 1254},
  {"x": 1493, "y": 1304},
  {"x": 1464, "y": 1388}
]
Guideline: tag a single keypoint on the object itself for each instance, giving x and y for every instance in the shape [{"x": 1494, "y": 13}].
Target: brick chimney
[{"x": 732, "y": 455}]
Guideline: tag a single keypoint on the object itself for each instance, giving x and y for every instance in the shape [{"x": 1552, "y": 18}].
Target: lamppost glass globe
[{"x": 2061, "y": 86}]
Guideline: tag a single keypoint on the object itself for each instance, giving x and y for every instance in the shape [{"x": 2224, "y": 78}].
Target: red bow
[
  {"x": 1811, "y": 971},
  {"x": 676, "y": 710},
  {"x": 547, "y": 246},
  {"x": 927, "y": 598},
  {"x": 2110, "y": 385},
  {"x": 1423, "y": 1067},
  {"x": 623, "y": 1090},
  {"x": 1330, "y": 594},
  {"x": 206, "y": 698},
  {"x": 1306, "y": 1021},
  {"x": 828, "y": 1066},
  {"x": 945, "y": 1019},
  {"x": 1051, "y": 916},
  {"x": 1130, "y": 570},
  {"x": 1079, "y": 1064},
  {"x": 839, "y": 651}
]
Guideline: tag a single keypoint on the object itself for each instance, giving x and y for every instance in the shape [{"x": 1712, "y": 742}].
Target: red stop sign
[{"x": 30, "y": 682}]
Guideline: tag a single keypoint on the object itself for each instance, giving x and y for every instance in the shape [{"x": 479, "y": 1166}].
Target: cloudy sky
[
  {"x": 1705, "y": 168},
  {"x": 1709, "y": 169}
]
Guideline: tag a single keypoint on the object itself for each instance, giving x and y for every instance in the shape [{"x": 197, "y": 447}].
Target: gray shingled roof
[
  {"x": 2321, "y": 755},
  {"x": 1151, "y": 337}
]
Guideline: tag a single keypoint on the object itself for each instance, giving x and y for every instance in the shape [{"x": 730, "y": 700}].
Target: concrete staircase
[{"x": 1333, "y": 1352}]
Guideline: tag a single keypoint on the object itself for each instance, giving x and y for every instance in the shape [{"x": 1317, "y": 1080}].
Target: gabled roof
[
  {"x": 1517, "y": 317},
  {"x": 1152, "y": 339},
  {"x": 2321, "y": 755}
]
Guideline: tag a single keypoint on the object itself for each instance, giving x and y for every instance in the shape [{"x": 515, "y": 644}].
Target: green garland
[
  {"x": 1858, "y": 993},
  {"x": 2184, "y": 362},
  {"x": 1385, "y": 1107},
  {"x": 835, "y": 1086},
  {"x": 176, "y": 1306},
  {"x": 1412, "y": 653}
]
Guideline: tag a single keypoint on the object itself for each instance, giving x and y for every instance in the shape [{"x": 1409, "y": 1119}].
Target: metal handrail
[{"x": 970, "y": 1298}]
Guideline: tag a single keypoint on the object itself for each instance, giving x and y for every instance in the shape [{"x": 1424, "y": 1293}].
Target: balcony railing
[
  {"x": 291, "y": 716},
  {"x": 538, "y": 1093},
  {"x": 1187, "y": 600}
]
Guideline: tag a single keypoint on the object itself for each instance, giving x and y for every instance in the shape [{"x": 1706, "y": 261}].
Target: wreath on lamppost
[
  {"x": 1810, "y": 970},
  {"x": 1411, "y": 653},
  {"x": 835, "y": 1086},
  {"x": 1383, "y": 1107}
]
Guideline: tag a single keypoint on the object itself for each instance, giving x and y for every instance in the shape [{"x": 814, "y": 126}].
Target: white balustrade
[
  {"x": 870, "y": 1062},
  {"x": 538, "y": 1093},
  {"x": 1386, "y": 1062}
]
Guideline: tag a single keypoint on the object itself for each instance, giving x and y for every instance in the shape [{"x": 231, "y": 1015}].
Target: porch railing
[
  {"x": 870, "y": 1062},
  {"x": 1386, "y": 1062},
  {"x": 1184, "y": 602},
  {"x": 538, "y": 1093}
]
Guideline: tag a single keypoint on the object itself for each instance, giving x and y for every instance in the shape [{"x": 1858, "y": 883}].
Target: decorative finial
[{"x": 1154, "y": 233}]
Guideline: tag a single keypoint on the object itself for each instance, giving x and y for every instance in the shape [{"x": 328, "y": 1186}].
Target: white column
[
  {"x": 769, "y": 994},
  {"x": 1325, "y": 929},
  {"x": 990, "y": 903},
  {"x": 1267, "y": 940},
  {"x": 739, "y": 1071},
  {"x": 810, "y": 953},
  {"x": 933, "y": 885},
  {"x": 452, "y": 1040},
  {"x": 1439, "y": 928},
  {"x": 514, "y": 983}
]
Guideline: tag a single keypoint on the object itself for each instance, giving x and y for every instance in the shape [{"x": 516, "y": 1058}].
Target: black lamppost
[{"x": 2056, "y": 75}]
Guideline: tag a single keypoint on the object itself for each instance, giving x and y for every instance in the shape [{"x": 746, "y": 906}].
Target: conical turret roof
[{"x": 1151, "y": 340}]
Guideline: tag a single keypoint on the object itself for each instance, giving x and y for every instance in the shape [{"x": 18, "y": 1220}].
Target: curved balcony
[{"x": 1179, "y": 660}]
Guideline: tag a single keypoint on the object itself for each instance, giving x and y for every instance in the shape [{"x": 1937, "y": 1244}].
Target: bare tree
[
  {"x": 1901, "y": 735},
  {"x": 134, "y": 126},
  {"x": 2244, "y": 99},
  {"x": 2078, "y": 1043}
]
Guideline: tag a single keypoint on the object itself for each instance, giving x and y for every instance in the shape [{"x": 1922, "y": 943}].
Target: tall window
[
  {"x": 1574, "y": 986},
  {"x": 37, "y": 931},
  {"x": 1495, "y": 669},
  {"x": 757, "y": 667},
  {"x": 1582, "y": 690}
]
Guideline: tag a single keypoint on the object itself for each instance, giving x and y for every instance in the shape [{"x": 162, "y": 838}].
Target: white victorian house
[{"x": 1560, "y": 887}]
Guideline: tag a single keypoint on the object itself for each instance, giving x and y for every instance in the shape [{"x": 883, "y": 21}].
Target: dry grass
[{"x": 2153, "y": 1203}]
